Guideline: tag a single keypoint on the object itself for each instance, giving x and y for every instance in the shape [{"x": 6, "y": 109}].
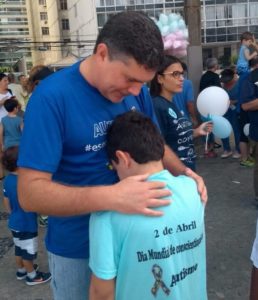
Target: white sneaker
[
  {"x": 236, "y": 154},
  {"x": 226, "y": 154}
]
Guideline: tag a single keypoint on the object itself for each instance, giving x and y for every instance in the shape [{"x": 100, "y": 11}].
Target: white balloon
[
  {"x": 246, "y": 129},
  {"x": 213, "y": 101}
]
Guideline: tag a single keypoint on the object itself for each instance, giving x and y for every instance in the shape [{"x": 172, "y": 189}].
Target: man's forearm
[
  {"x": 172, "y": 163},
  {"x": 250, "y": 106},
  {"x": 42, "y": 195}
]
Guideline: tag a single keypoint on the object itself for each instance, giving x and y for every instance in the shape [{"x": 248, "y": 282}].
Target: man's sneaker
[
  {"x": 246, "y": 163},
  {"x": 38, "y": 279},
  {"x": 226, "y": 154},
  {"x": 21, "y": 276}
]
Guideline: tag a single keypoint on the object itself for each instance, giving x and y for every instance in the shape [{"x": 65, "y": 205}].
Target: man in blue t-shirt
[
  {"x": 137, "y": 257},
  {"x": 250, "y": 105},
  {"x": 63, "y": 163}
]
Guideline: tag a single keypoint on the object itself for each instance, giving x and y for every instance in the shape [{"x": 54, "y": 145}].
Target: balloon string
[{"x": 206, "y": 142}]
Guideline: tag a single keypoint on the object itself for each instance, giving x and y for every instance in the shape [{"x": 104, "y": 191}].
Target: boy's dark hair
[
  {"x": 10, "y": 157},
  {"x": 2, "y": 75},
  {"x": 11, "y": 104},
  {"x": 227, "y": 75},
  {"x": 133, "y": 34},
  {"x": 136, "y": 134},
  {"x": 155, "y": 87},
  {"x": 247, "y": 35}
]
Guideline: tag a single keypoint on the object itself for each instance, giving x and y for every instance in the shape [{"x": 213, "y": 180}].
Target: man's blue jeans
[
  {"x": 232, "y": 117},
  {"x": 70, "y": 277}
]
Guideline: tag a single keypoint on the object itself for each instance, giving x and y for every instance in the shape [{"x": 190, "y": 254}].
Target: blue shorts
[{"x": 26, "y": 244}]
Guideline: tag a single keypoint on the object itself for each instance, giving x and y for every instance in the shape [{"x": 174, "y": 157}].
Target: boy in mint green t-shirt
[{"x": 143, "y": 258}]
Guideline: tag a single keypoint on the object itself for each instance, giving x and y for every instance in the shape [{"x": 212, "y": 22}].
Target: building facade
[
  {"x": 14, "y": 33},
  {"x": 222, "y": 20},
  {"x": 83, "y": 26}
]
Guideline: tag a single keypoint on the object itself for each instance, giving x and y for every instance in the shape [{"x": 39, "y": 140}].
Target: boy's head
[
  {"x": 9, "y": 158},
  {"x": 11, "y": 104},
  {"x": 227, "y": 76},
  {"x": 133, "y": 137},
  {"x": 247, "y": 38}
]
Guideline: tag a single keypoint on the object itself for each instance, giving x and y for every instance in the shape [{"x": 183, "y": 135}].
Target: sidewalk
[{"x": 230, "y": 229}]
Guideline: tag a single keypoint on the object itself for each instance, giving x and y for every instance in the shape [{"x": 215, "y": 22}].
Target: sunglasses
[{"x": 175, "y": 74}]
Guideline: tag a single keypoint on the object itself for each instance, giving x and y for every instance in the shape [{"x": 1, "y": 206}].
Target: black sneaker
[
  {"x": 38, "y": 279},
  {"x": 21, "y": 276}
]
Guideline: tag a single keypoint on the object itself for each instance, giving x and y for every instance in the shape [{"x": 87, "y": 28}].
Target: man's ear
[
  {"x": 102, "y": 52},
  {"x": 124, "y": 158}
]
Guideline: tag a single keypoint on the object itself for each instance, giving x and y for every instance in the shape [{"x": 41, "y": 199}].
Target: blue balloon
[
  {"x": 221, "y": 127},
  {"x": 163, "y": 19}
]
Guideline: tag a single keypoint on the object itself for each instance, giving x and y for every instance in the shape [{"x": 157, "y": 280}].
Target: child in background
[
  {"x": 23, "y": 225},
  {"x": 245, "y": 55},
  {"x": 138, "y": 257},
  {"x": 11, "y": 125}
]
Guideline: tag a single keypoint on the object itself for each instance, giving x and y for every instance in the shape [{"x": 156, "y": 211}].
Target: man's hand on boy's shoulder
[{"x": 135, "y": 195}]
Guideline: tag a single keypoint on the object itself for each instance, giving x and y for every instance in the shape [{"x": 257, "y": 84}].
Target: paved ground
[{"x": 230, "y": 227}]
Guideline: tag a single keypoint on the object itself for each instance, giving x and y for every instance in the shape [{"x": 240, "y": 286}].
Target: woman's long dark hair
[{"x": 155, "y": 87}]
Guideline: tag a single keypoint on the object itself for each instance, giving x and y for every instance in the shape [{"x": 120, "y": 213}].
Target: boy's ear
[{"x": 124, "y": 158}]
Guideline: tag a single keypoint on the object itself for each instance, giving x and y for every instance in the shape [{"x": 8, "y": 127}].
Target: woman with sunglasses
[{"x": 176, "y": 129}]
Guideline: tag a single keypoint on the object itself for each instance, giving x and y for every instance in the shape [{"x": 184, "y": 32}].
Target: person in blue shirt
[
  {"x": 250, "y": 105},
  {"x": 176, "y": 128},
  {"x": 63, "y": 164},
  {"x": 23, "y": 225},
  {"x": 137, "y": 257},
  {"x": 245, "y": 55},
  {"x": 229, "y": 82},
  {"x": 11, "y": 125}
]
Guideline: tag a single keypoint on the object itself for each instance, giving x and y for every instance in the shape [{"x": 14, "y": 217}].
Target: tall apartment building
[
  {"x": 35, "y": 31},
  {"x": 83, "y": 26},
  {"x": 222, "y": 20},
  {"x": 14, "y": 32},
  {"x": 50, "y": 30}
]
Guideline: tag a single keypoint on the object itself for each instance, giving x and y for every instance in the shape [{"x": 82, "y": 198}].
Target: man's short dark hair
[
  {"x": 11, "y": 104},
  {"x": 10, "y": 157},
  {"x": 136, "y": 134},
  {"x": 133, "y": 34},
  {"x": 227, "y": 75}
]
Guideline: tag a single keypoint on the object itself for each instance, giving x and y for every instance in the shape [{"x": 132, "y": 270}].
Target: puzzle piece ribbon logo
[{"x": 157, "y": 273}]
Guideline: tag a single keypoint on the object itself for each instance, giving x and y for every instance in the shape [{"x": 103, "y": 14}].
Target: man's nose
[{"x": 135, "y": 89}]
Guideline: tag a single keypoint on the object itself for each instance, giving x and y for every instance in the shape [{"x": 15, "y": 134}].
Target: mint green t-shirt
[{"x": 154, "y": 257}]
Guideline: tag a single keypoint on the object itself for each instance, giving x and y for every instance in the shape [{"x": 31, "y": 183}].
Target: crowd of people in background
[{"x": 64, "y": 164}]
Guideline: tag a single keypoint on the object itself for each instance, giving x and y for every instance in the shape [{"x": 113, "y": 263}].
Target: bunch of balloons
[
  {"x": 174, "y": 34},
  {"x": 212, "y": 103}
]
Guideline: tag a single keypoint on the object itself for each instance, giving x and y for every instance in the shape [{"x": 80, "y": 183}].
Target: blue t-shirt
[
  {"x": 176, "y": 129},
  {"x": 250, "y": 93},
  {"x": 233, "y": 94},
  {"x": 242, "y": 62},
  {"x": 154, "y": 258},
  {"x": 65, "y": 127},
  {"x": 11, "y": 130},
  {"x": 19, "y": 220},
  {"x": 187, "y": 95}
]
